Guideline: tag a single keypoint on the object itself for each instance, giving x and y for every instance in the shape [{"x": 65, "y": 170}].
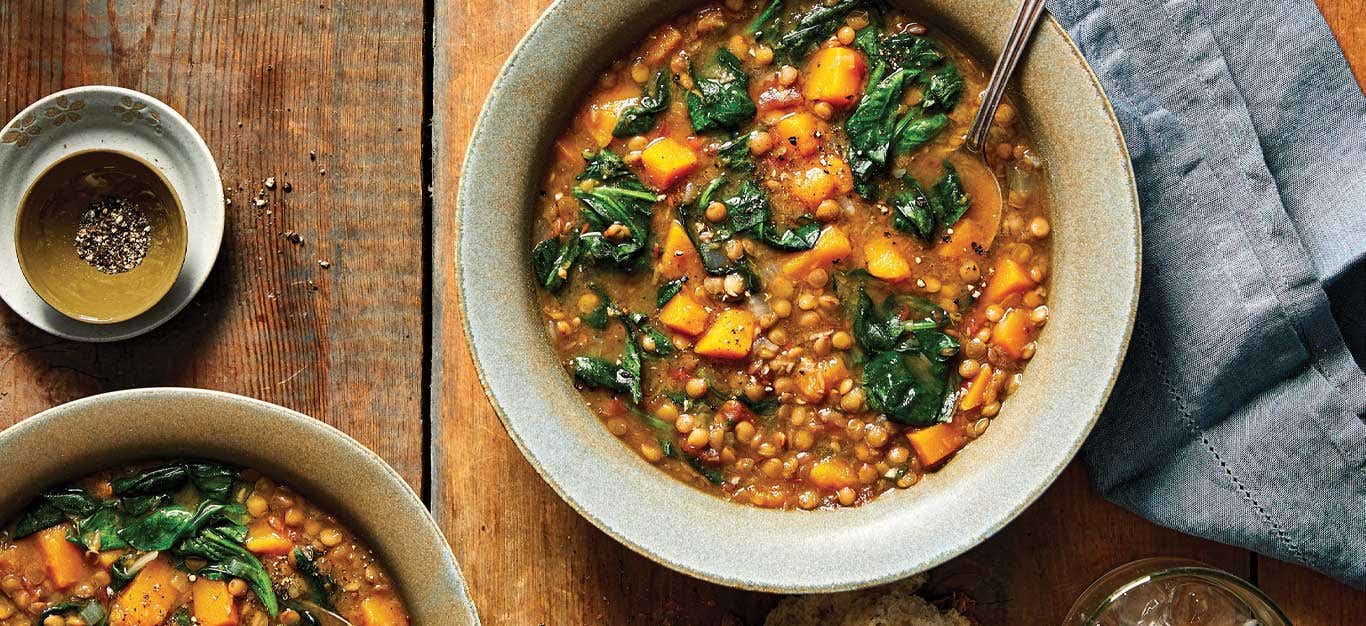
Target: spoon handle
[{"x": 1020, "y": 31}]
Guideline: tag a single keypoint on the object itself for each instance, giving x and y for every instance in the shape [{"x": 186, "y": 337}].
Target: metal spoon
[{"x": 1020, "y": 31}]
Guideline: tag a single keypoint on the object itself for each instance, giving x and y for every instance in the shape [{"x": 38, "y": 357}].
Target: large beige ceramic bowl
[
  {"x": 1094, "y": 291},
  {"x": 322, "y": 463}
]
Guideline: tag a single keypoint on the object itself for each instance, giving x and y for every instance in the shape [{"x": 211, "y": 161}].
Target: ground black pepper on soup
[
  {"x": 187, "y": 542},
  {"x": 767, "y": 264}
]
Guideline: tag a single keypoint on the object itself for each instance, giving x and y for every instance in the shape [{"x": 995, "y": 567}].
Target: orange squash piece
[
  {"x": 812, "y": 186},
  {"x": 149, "y": 599},
  {"x": 378, "y": 611},
  {"x": 264, "y": 539},
  {"x": 1008, "y": 279},
  {"x": 814, "y": 382},
  {"x": 684, "y": 314},
  {"x": 212, "y": 604},
  {"x": 679, "y": 256},
  {"x": 65, "y": 565},
  {"x": 831, "y": 247},
  {"x": 1013, "y": 332},
  {"x": 977, "y": 390},
  {"x": 730, "y": 336},
  {"x": 666, "y": 160},
  {"x": 833, "y": 473},
  {"x": 885, "y": 261},
  {"x": 835, "y": 76},
  {"x": 800, "y": 131},
  {"x": 934, "y": 444},
  {"x": 605, "y": 110}
]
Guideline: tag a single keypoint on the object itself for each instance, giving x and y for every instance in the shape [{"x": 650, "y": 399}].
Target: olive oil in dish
[{"x": 101, "y": 236}]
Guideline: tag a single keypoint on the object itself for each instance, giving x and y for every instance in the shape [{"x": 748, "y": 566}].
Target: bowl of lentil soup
[
  {"x": 755, "y": 255},
  {"x": 180, "y": 506}
]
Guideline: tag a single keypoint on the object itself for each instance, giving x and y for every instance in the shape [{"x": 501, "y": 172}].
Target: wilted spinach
[
  {"x": 748, "y": 213},
  {"x": 735, "y": 156},
  {"x": 907, "y": 376},
  {"x": 667, "y": 291},
  {"x": 950, "y": 200},
  {"x": 54, "y": 507},
  {"x": 815, "y": 26},
  {"x": 323, "y": 586},
  {"x": 871, "y": 131},
  {"x": 942, "y": 89},
  {"x": 618, "y": 198},
  {"x": 640, "y": 119},
  {"x": 915, "y": 131},
  {"x": 760, "y": 27},
  {"x": 221, "y": 547},
  {"x": 721, "y": 100}
]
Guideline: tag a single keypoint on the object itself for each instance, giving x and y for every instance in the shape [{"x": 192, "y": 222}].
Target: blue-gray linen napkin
[{"x": 1238, "y": 415}]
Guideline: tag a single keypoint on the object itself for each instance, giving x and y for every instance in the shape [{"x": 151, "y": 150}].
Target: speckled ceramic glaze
[
  {"x": 1094, "y": 292},
  {"x": 322, "y": 463}
]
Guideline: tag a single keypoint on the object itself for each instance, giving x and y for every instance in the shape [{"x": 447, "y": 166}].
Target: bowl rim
[
  {"x": 203, "y": 241},
  {"x": 480, "y": 127},
  {"x": 53, "y": 417}
]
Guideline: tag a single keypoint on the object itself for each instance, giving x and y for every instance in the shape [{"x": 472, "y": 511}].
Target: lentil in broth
[{"x": 768, "y": 266}]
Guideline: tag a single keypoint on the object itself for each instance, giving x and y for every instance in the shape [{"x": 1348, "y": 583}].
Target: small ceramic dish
[
  {"x": 1093, "y": 299},
  {"x": 323, "y": 464},
  {"x": 73, "y": 300}
]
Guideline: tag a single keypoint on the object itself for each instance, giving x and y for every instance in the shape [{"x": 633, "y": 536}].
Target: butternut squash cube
[
  {"x": 831, "y": 247},
  {"x": 679, "y": 256},
  {"x": 382, "y": 611},
  {"x": 65, "y": 565},
  {"x": 666, "y": 160},
  {"x": 1008, "y": 279},
  {"x": 264, "y": 539},
  {"x": 800, "y": 131},
  {"x": 212, "y": 604},
  {"x": 835, "y": 76},
  {"x": 605, "y": 109},
  {"x": 813, "y": 186},
  {"x": 684, "y": 314},
  {"x": 885, "y": 261},
  {"x": 660, "y": 43},
  {"x": 150, "y": 598},
  {"x": 977, "y": 390},
  {"x": 730, "y": 336},
  {"x": 934, "y": 444},
  {"x": 833, "y": 473},
  {"x": 1013, "y": 332}
]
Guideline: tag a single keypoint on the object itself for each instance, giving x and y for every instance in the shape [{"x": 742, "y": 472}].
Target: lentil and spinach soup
[
  {"x": 770, "y": 268},
  {"x": 187, "y": 542}
]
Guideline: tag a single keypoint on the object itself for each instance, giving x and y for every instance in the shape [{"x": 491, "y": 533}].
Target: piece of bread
[{"x": 888, "y": 605}]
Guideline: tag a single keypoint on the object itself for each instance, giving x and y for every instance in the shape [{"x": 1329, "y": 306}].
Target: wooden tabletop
[{"x": 332, "y": 96}]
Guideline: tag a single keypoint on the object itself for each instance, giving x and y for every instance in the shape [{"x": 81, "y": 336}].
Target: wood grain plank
[
  {"x": 1307, "y": 597},
  {"x": 266, "y": 82},
  {"x": 531, "y": 559}
]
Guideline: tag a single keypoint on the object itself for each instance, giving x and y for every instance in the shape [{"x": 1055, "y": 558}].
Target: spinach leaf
[
  {"x": 721, "y": 101},
  {"x": 99, "y": 530},
  {"x": 619, "y": 199},
  {"x": 157, "y": 481},
  {"x": 908, "y": 388},
  {"x": 913, "y": 212},
  {"x": 813, "y": 27},
  {"x": 603, "y": 374},
  {"x": 182, "y": 618},
  {"x": 735, "y": 156},
  {"x": 228, "y": 559},
  {"x": 950, "y": 200},
  {"x": 137, "y": 506},
  {"x": 871, "y": 131},
  {"x": 913, "y": 53},
  {"x": 552, "y": 260},
  {"x": 917, "y": 130},
  {"x": 711, "y": 252},
  {"x": 638, "y": 327},
  {"x": 90, "y": 612},
  {"x": 668, "y": 290},
  {"x": 597, "y": 318},
  {"x": 54, "y": 507},
  {"x": 214, "y": 481},
  {"x": 324, "y": 587},
  {"x": 907, "y": 377},
  {"x": 768, "y": 17},
  {"x": 748, "y": 213},
  {"x": 713, "y": 475},
  {"x": 160, "y": 530},
  {"x": 639, "y": 119},
  {"x": 943, "y": 89}
]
